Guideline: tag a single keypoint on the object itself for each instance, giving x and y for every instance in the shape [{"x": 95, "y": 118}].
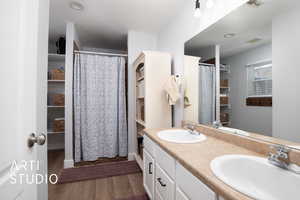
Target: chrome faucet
[
  {"x": 217, "y": 124},
  {"x": 281, "y": 154},
  {"x": 280, "y": 159},
  {"x": 191, "y": 129}
]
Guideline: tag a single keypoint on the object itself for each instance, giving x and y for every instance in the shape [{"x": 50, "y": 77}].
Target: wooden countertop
[{"x": 197, "y": 157}]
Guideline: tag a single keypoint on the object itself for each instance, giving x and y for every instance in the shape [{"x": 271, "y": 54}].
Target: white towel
[{"x": 171, "y": 87}]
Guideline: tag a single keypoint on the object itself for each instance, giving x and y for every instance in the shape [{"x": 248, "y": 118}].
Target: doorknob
[{"x": 40, "y": 139}]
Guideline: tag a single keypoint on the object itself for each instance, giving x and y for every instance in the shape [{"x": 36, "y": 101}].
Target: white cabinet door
[
  {"x": 166, "y": 162},
  {"x": 192, "y": 186},
  {"x": 164, "y": 185},
  {"x": 149, "y": 174},
  {"x": 180, "y": 195}
]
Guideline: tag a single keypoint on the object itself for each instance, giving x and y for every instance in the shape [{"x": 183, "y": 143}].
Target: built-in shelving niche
[
  {"x": 55, "y": 138},
  {"x": 140, "y": 106}
]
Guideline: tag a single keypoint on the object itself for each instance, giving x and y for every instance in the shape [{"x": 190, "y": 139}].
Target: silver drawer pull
[
  {"x": 150, "y": 168},
  {"x": 161, "y": 183}
]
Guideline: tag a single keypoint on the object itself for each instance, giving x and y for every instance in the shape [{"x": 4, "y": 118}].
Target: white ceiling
[
  {"x": 247, "y": 22},
  {"x": 105, "y": 23}
]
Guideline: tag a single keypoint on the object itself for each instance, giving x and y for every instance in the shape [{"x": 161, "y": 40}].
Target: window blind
[{"x": 259, "y": 79}]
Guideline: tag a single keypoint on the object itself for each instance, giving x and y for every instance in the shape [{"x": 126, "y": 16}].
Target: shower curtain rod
[
  {"x": 100, "y": 53},
  {"x": 206, "y": 64}
]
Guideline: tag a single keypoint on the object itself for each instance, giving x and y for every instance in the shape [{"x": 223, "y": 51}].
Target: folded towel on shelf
[{"x": 171, "y": 87}]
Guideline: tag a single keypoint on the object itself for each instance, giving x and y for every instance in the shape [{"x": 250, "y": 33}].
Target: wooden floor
[{"x": 113, "y": 188}]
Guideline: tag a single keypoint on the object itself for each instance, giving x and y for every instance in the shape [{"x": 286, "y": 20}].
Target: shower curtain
[
  {"x": 100, "y": 125},
  {"x": 207, "y": 99}
]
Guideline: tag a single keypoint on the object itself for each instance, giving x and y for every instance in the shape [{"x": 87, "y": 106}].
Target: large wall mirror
[{"x": 244, "y": 72}]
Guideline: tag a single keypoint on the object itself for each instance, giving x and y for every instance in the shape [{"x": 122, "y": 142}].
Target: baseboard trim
[
  {"x": 134, "y": 156},
  {"x": 139, "y": 161},
  {"x": 131, "y": 156},
  {"x": 56, "y": 147},
  {"x": 68, "y": 163}
]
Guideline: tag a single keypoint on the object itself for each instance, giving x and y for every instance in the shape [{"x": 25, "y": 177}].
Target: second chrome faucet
[{"x": 281, "y": 159}]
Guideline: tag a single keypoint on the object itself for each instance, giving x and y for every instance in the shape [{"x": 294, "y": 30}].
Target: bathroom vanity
[
  {"x": 184, "y": 171},
  {"x": 166, "y": 179}
]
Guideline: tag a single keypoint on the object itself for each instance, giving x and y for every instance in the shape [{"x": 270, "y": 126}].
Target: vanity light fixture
[
  {"x": 76, "y": 6},
  {"x": 197, "y": 13},
  {"x": 229, "y": 35},
  {"x": 210, "y": 4}
]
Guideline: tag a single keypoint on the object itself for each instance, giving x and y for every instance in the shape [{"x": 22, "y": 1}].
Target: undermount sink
[
  {"x": 234, "y": 131},
  {"x": 256, "y": 178},
  {"x": 180, "y": 136}
]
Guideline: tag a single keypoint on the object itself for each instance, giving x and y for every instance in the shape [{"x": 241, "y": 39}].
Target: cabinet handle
[
  {"x": 161, "y": 183},
  {"x": 150, "y": 168}
]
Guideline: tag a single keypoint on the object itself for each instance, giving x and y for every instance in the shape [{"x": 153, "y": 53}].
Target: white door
[{"x": 23, "y": 97}]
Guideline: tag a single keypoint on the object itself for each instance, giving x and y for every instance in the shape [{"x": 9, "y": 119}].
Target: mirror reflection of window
[{"x": 259, "y": 77}]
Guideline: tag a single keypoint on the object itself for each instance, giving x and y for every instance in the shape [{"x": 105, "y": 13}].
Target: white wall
[
  {"x": 183, "y": 27},
  {"x": 250, "y": 118},
  {"x": 137, "y": 42},
  {"x": 286, "y": 71},
  {"x": 71, "y": 36}
]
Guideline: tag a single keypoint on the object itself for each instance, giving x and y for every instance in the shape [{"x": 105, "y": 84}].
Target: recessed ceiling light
[
  {"x": 229, "y": 35},
  {"x": 76, "y": 6}
]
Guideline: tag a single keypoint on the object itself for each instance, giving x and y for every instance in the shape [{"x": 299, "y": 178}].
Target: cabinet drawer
[
  {"x": 192, "y": 187},
  {"x": 165, "y": 161},
  {"x": 149, "y": 145},
  {"x": 164, "y": 185},
  {"x": 148, "y": 176}
]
